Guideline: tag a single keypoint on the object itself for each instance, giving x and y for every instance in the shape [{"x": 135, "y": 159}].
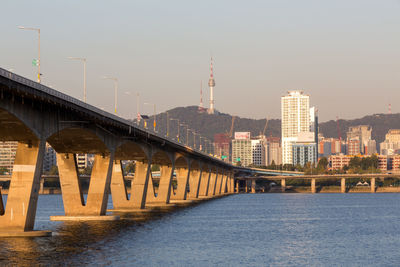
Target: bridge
[
  {"x": 250, "y": 181},
  {"x": 34, "y": 114}
]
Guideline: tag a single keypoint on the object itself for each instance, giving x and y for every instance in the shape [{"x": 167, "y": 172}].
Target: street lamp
[
  {"x": 115, "y": 90},
  {"x": 201, "y": 146},
  {"x": 137, "y": 108},
  {"x": 154, "y": 121},
  {"x": 187, "y": 133},
  {"x": 84, "y": 74},
  {"x": 38, "y": 61},
  {"x": 178, "y": 127}
]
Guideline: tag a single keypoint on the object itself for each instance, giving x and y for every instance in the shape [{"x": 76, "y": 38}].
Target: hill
[{"x": 207, "y": 125}]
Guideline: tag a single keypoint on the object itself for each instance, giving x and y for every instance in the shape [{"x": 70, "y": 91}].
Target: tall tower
[{"x": 211, "y": 84}]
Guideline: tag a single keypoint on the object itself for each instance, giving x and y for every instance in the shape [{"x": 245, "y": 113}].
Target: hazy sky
[{"x": 345, "y": 53}]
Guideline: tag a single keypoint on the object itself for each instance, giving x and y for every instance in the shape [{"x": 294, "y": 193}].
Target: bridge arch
[{"x": 78, "y": 141}]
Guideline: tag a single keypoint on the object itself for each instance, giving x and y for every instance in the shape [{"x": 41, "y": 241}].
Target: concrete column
[
  {"x": 20, "y": 210},
  {"x": 313, "y": 190},
  {"x": 140, "y": 184},
  {"x": 164, "y": 189},
  {"x": 118, "y": 189},
  {"x": 212, "y": 184},
  {"x": 182, "y": 177},
  {"x": 253, "y": 186},
  {"x": 96, "y": 204},
  {"x": 343, "y": 185},
  {"x": 373, "y": 185},
  {"x": 237, "y": 184},
  {"x": 283, "y": 184},
  {"x": 218, "y": 184},
  {"x": 232, "y": 184},
  {"x": 1, "y": 203},
  {"x": 224, "y": 183},
  {"x": 195, "y": 178},
  {"x": 41, "y": 190},
  {"x": 204, "y": 183},
  {"x": 151, "y": 195}
]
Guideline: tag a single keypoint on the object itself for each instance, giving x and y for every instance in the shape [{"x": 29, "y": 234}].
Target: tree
[
  {"x": 322, "y": 165},
  {"x": 3, "y": 170},
  {"x": 130, "y": 167}
]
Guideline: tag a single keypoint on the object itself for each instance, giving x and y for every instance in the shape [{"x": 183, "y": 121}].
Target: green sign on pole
[
  {"x": 35, "y": 62},
  {"x": 223, "y": 157},
  {"x": 237, "y": 159}
]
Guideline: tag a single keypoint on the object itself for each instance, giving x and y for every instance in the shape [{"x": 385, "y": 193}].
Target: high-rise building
[
  {"x": 49, "y": 159},
  {"x": 241, "y": 149},
  {"x": 211, "y": 84},
  {"x": 295, "y": 111},
  {"x": 222, "y": 146},
  {"x": 8, "y": 150},
  {"x": 274, "y": 151},
  {"x": 361, "y": 133},
  {"x": 353, "y": 147},
  {"x": 304, "y": 153},
  {"x": 84, "y": 160},
  {"x": 391, "y": 145},
  {"x": 258, "y": 151}
]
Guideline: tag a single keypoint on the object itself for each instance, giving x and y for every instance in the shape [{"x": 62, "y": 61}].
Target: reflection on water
[{"x": 252, "y": 230}]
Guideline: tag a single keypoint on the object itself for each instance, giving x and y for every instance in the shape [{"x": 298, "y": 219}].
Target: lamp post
[
  {"x": 194, "y": 139},
  {"x": 115, "y": 90},
  {"x": 201, "y": 146},
  {"x": 185, "y": 125},
  {"x": 178, "y": 127},
  {"x": 137, "y": 109},
  {"x": 38, "y": 61},
  {"x": 84, "y": 74},
  {"x": 154, "y": 114},
  {"x": 167, "y": 125}
]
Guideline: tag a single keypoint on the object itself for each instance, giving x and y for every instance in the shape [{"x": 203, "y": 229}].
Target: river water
[{"x": 244, "y": 229}]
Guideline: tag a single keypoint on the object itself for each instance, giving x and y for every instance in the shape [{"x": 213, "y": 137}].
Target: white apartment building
[
  {"x": 241, "y": 149},
  {"x": 295, "y": 111},
  {"x": 258, "y": 151}
]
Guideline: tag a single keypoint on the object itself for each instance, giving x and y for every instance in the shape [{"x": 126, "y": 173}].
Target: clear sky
[{"x": 345, "y": 53}]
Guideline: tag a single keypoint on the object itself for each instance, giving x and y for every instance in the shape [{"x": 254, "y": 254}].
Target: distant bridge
[{"x": 250, "y": 181}]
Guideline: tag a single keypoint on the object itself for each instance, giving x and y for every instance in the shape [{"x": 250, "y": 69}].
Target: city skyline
[{"x": 335, "y": 61}]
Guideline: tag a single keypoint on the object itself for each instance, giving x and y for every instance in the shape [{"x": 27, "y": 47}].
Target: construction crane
[
  {"x": 265, "y": 127},
  {"x": 338, "y": 129},
  {"x": 229, "y": 134}
]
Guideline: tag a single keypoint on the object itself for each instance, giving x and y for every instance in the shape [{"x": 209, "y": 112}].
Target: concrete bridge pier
[
  {"x": 237, "y": 186},
  {"x": 204, "y": 183},
  {"x": 194, "y": 183},
  {"x": 313, "y": 189},
  {"x": 253, "y": 186},
  {"x": 139, "y": 184},
  {"x": 164, "y": 188},
  {"x": 18, "y": 217},
  {"x": 75, "y": 207},
  {"x": 182, "y": 177},
  {"x": 231, "y": 184},
  {"x": 343, "y": 185},
  {"x": 213, "y": 183},
  {"x": 218, "y": 183},
  {"x": 224, "y": 183},
  {"x": 373, "y": 188},
  {"x": 283, "y": 184}
]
